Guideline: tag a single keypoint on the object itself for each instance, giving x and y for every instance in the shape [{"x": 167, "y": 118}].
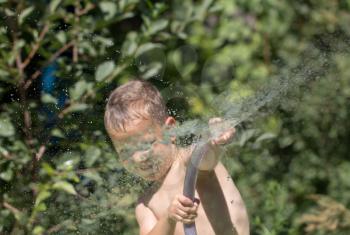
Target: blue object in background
[
  {"x": 48, "y": 78},
  {"x": 49, "y": 81},
  {"x": 49, "y": 86}
]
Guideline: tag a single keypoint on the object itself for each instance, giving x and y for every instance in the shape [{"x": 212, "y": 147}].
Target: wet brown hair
[{"x": 137, "y": 99}]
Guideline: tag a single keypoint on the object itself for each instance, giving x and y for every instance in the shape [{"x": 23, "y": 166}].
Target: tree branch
[
  {"x": 41, "y": 152},
  {"x": 11, "y": 208},
  {"x": 36, "y": 46},
  {"x": 84, "y": 11},
  {"x": 38, "y": 72}
]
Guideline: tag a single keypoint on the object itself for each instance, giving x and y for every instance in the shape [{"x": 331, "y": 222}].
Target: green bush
[{"x": 58, "y": 171}]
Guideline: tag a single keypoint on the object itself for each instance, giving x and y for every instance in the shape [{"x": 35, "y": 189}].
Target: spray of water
[{"x": 235, "y": 108}]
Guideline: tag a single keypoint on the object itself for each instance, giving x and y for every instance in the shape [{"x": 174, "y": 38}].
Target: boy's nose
[{"x": 141, "y": 156}]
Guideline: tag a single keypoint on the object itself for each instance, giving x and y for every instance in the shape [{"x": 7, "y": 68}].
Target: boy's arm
[
  {"x": 181, "y": 209},
  {"x": 149, "y": 225}
]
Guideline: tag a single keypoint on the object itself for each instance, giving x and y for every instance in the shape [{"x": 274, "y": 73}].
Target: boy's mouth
[{"x": 144, "y": 168}]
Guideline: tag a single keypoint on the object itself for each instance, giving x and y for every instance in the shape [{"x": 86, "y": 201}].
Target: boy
[{"x": 135, "y": 120}]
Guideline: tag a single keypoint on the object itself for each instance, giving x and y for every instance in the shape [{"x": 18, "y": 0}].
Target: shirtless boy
[{"x": 136, "y": 119}]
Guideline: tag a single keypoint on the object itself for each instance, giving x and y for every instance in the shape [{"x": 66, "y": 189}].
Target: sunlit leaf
[
  {"x": 42, "y": 196},
  {"x": 76, "y": 107},
  {"x": 48, "y": 99},
  {"x": 53, "y": 5},
  {"x": 93, "y": 175},
  {"x": 48, "y": 169},
  {"x": 78, "y": 90},
  {"x": 130, "y": 44},
  {"x": 157, "y": 26},
  {"x": 7, "y": 175},
  {"x": 147, "y": 47},
  {"x": 109, "y": 8},
  {"x": 38, "y": 230},
  {"x": 6, "y": 127},
  {"x": 265, "y": 136},
  {"x": 103, "y": 70},
  {"x": 64, "y": 186},
  {"x": 25, "y": 13},
  {"x": 91, "y": 155},
  {"x": 57, "y": 133}
]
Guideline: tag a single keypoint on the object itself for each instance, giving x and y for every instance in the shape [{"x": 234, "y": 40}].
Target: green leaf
[
  {"x": 3, "y": 73},
  {"x": 48, "y": 99},
  {"x": 93, "y": 175},
  {"x": 6, "y": 127},
  {"x": 152, "y": 70},
  {"x": 53, "y": 5},
  {"x": 109, "y": 8},
  {"x": 64, "y": 186},
  {"x": 130, "y": 44},
  {"x": 40, "y": 207},
  {"x": 157, "y": 26},
  {"x": 38, "y": 230},
  {"x": 26, "y": 12},
  {"x": 76, "y": 107},
  {"x": 42, "y": 196},
  {"x": 3, "y": 151},
  {"x": 78, "y": 90},
  {"x": 9, "y": 12},
  {"x": 103, "y": 70},
  {"x": 246, "y": 136},
  {"x": 61, "y": 37},
  {"x": 7, "y": 175},
  {"x": 91, "y": 155},
  {"x": 147, "y": 47},
  {"x": 48, "y": 169},
  {"x": 265, "y": 136},
  {"x": 57, "y": 133}
]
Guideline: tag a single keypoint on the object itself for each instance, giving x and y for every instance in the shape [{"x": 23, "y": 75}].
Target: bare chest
[{"x": 218, "y": 197}]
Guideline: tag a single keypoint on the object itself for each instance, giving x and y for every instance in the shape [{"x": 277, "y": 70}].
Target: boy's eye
[
  {"x": 129, "y": 149},
  {"x": 146, "y": 144}
]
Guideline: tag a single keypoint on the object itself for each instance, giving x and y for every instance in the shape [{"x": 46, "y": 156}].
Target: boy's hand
[
  {"x": 182, "y": 209},
  {"x": 221, "y": 131}
]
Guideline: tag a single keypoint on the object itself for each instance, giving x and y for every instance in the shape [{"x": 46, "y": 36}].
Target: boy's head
[{"x": 134, "y": 119}]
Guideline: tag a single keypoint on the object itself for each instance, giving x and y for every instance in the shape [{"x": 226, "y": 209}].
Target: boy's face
[{"x": 143, "y": 150}]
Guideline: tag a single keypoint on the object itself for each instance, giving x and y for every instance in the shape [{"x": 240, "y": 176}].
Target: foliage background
[{"x": 58, "y": 172}]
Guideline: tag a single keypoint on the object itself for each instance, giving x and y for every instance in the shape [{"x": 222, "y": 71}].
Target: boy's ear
[{"x": 170, "y": 121}]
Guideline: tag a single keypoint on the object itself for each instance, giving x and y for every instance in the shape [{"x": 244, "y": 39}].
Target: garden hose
[{"x": 191, "y": 177}]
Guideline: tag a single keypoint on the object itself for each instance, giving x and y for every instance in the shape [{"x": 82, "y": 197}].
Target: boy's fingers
[
  {"x": 188, "y": 221},
  {"x": 215, "y": 120},
  {"x": 178, "y": 218},
  {"x": 192, "y": 216},
  {"x": 184, "y": 209},
  {"x": 225, "y": 137},
  {"x": 182, "y": 213},
  {"x": 185, "y": 201},
  {"x": 179, "y": 205},
  {"x": 193, "y": 210}
]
